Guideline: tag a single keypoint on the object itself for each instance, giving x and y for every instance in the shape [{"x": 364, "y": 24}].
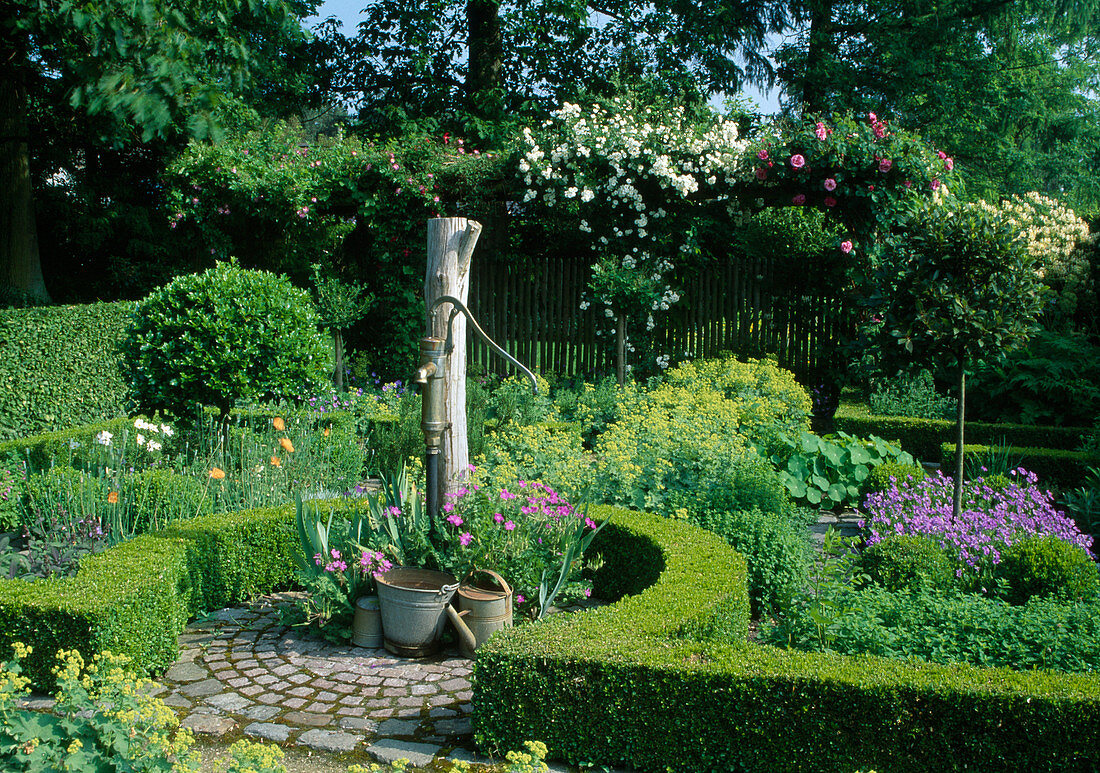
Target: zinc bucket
[
  {"x": 413, "y": 603},
  {"x": 488, "y": 608}
]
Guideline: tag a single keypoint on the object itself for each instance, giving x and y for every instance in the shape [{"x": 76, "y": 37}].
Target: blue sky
[{"x": 348, "y": 13}]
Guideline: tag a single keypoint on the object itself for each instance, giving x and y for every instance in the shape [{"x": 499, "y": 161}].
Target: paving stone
[
  {"x": 260, "y": 713},
  {"x": 463, "y": 755},
  {"x": 252, "y": 689},
  {"x": 389, "y": 750},
  {"x": 452, "y": 685},
  {"x": 228, "y": 701},
  {"x": 175, "y": 700},
  {"x": 154, "y": 689},
  {"x": 329, "y": 740},
  {"x": 397, "y": 727},
  {"x": 202, "y": 689},
  {"x": 269, "y": 731},
  {"x": 40, "y": 703},
  {"x": 295, "y": 703},
  {"x": 186, "y": 672},
  {"x": 361, "y": 724},
  {"x": 209, "y": 724},
  {"x": 301, "y": 692},
  {"x": 440, "y": 712},
  {"x": 458, "y": 726},
  {"x": 307, "y": 718},
  {"x": 422, "y": 689}
]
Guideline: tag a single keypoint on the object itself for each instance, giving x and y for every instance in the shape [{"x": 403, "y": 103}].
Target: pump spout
[{"x": 424, "y": 372}]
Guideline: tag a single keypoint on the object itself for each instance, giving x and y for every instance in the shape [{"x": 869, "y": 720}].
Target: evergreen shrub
[{"x": 1047, "y": 566}]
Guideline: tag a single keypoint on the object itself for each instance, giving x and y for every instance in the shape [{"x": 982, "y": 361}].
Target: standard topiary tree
[
  {"x": 226, "y": 335},
  {"x": 957, "y": 283}
]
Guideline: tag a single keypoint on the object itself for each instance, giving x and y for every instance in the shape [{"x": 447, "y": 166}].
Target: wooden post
[{"x": 451, "y": 242}]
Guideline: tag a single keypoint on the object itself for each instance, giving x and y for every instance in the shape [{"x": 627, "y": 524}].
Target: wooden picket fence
[{"x": 533, "y": 310}]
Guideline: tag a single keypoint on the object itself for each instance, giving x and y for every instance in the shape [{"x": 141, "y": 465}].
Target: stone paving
[{"x": 242, "y": 671}]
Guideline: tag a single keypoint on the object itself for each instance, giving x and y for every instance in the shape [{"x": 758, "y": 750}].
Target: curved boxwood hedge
[
  {"x": 136, "y": 597},
  {"x": 624, "y": 686}
]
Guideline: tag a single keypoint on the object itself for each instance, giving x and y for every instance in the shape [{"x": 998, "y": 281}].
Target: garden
[{"x": 740, "y": 331}]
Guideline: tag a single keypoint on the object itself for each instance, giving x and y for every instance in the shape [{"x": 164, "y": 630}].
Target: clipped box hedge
[
  {"x": 59, "y": 366},
  {"x": 1054, "y": 466},
  {"x": 923, "y": 438},
  {"x": 625, "y": 686},
  {"x": 136, "y": 597}
]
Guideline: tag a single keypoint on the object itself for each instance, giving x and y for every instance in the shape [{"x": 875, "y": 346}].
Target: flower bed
[{"x": 595, "y": 686}]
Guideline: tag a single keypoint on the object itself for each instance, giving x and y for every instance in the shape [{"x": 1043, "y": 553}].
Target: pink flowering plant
[
  {"x": 859, "y": 167},
  {"x": 993, "y": 516},
  {"x": 527, "y": 532}
]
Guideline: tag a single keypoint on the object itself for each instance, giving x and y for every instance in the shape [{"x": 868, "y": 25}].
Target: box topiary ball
[{"x": 1047, "y": 566}]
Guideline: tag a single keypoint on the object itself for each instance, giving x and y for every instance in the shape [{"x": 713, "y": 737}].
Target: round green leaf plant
[{"x": 223, "y": 336}]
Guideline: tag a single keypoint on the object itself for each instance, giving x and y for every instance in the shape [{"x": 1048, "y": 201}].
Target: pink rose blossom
[
  {"x": 829, "y": 184},
  {"x": 798, "y": 161},
  {"x": 942, "y": 155},
  {"x": 872, "y": 117},
  {"x": 798, "y": 199},
  {"x": 820, "y": 131},
  {"x": 935, "y": 184},
  {"x": 884, "y": 165},
  {"x": 845, "y": 247},
  {"x": 830, "y": 201},
  {"x": 762, "y": 155},
  {"x": 761, "y": 173},
  {"x": 949, "y": 163}
]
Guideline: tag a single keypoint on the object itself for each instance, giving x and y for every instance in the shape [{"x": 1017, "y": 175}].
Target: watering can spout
[{"x": 466, "y": 637}]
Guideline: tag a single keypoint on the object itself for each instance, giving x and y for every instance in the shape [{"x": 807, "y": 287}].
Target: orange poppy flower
[
  {"x": 112, "y": 497},
  {"x": 287, "y": 445},
  {"x": 275, "y": 462},
  {"x": 326, "y": 431},
  {"x": 217, "y": 473},
  {"x": 279, "y": 424}
]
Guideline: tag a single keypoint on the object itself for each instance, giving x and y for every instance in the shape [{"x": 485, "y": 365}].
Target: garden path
[{"x": 243, "y": 672}]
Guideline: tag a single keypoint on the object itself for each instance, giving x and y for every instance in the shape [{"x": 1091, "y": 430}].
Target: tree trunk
[
  {"x": 486, "y": 57},
  {"x": 815, "y": 79},
  {"x": 451, "y": 242},
  {"x": 620, "y": 349},
  {"x": 956, "y": 507},
  {"x": 20, "y": 267},
  {"x": 338, "y": 374}
]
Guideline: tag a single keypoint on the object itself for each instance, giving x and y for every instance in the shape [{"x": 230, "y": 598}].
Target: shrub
[
  {"x": 991, "y": 519},
  {"x": 914, "y": 396},
  {"x": 778, "y": 550},
  {"x": 831, "y": 472},
  {"x": 953, "y": 627},
  {"x": 1047, "y": 566},
  {"x": 225, "y": 335},
  {"x": 1054, "y": 466},
  {"x": 884, "y": 474},
  {"x": 551, "y": 453},
  {"x": 60, "y": 367},
  {"x": 908, "y": 561}
]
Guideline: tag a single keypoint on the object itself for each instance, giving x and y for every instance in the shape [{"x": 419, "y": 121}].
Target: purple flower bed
[{"x": 991, "y": 518}]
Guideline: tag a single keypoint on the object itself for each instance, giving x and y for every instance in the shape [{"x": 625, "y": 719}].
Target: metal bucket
[
  {"x": 366, "y": 626},
  {"x": 413, "y": 603},
  {"x": 487, "y": 609}
]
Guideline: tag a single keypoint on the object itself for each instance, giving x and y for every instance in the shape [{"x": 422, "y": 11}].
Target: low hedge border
[
  {"x": 924, "y": 437},
  {"x": 1056, "y": 466},
  {"x": 621, "y": 686},
  {"x": 48, "y": 448},
  {"x": 136, "y": 597}
]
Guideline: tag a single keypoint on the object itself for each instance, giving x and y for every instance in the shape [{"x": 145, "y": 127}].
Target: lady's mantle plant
[{"x": 628, "y": 172}]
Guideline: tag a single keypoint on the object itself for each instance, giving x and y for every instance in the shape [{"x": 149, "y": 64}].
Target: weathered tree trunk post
[
  {"x": 956, "y": 502},
  {"x": 451, "y": 242}
]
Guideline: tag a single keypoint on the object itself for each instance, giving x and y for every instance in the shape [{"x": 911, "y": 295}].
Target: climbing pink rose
[
  {"x": 830, "y": 201},
  {"x": 820, "y": 131},
  {"x": 829, "y": 184},
  {"x": 798, "y": 199},
  {"x": 797, "y": 161},
  {"x": 885, "y": 164},
  {"x": 761, "y": 173},
  {"x": 845, "y": 247},
  {"x": 935, "y": 183},
  {"x": 949, "y": 163},
  {"x": 941, "y": 154},
  {"x": 762, "y": 155},
  {"x": 872, "y": 117}
]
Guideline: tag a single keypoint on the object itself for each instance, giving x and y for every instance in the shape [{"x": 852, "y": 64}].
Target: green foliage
[
  {"x": 915, "y": 396},
  {"x": 60, "y": 367},
  {"x": 884, "y": 474},
  {"x": 223, "y": 336},
  {"x": 1047, "y": 566},
  {"x": 105, "y": 720},
  {"x": 1054, "y": 466},
  {"x": 549, "y": 452},
  {"x": 1054, "y": 381},
  {"x": 953, "y": 628},
  {"x": 778, "y": 550},
  {"x": 832, "y": 472},
  {"x": 908, "y": 561},
  {"x": 923, "y": 437},
  {"x": 1082, "y": 504},
  {"x": 541, "y": 681},
  {"x": 593, "y": 406}
]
